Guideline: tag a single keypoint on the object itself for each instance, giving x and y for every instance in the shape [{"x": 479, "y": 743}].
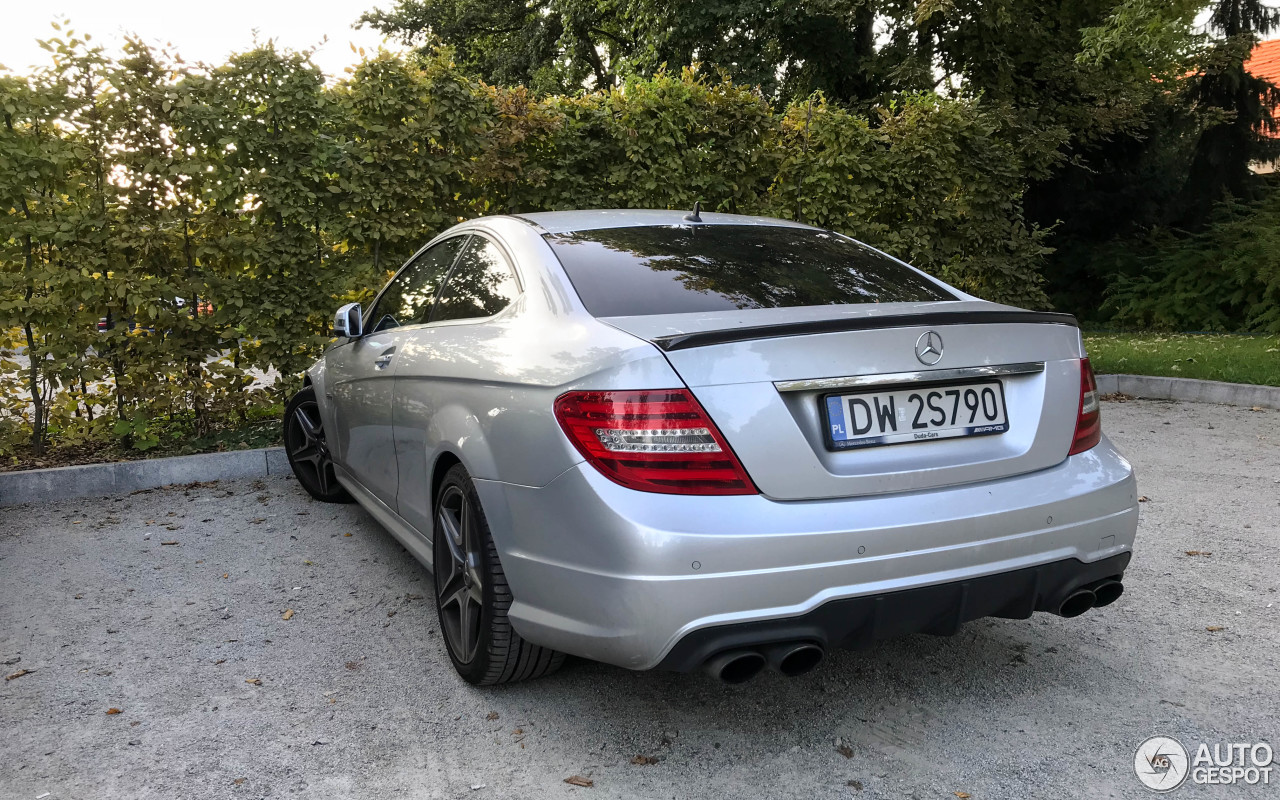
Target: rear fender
[
  {"x": 456, "y": 430},
  {"x": 454, "y": 433}
]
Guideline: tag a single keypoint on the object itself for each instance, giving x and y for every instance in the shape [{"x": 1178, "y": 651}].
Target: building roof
[{"x": 1264, "y": 61}]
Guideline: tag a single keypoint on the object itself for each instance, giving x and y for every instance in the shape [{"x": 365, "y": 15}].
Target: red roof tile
[{"x": 1264, "y": 61}]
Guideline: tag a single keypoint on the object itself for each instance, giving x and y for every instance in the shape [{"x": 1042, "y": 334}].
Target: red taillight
[
  {"x": 657, "y": 440},
  {"x": 1089, "y": 419}
]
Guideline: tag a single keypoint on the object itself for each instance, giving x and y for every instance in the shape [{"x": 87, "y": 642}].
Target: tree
[
  {"x": 789, "y": 49},
  {"x": 268, "y": 129},
  {"x": 549, "y": 45},
  {"x": 408, "y": 133},
  {"x": 1245, "y": 129},
  {"x": 1122, "y": 156},
  {"x": 51, "y": 219}
]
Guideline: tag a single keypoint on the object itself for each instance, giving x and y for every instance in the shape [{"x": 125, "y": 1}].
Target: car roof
[{"x": 594, "y": 219}]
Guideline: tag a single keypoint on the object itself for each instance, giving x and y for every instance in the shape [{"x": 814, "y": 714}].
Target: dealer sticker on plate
[{"x": 895, "y": 416}]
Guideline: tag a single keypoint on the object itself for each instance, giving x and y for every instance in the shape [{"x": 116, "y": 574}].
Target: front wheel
[
  {"x": 472, "y": 596},
  {"x": 308, "y": 452}
]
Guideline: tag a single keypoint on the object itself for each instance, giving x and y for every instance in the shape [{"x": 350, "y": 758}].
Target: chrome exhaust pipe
[
  {"x": 1077, "y": 603},
  {"x": 794, "y": 658},
  {"x": 1107, "y": 592},
  {"x": 735, "y": 666}
]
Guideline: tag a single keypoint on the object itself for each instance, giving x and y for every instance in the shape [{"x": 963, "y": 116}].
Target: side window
[
  {"x": 408, "y": 299},
  {"x": 481, "y": 284}
]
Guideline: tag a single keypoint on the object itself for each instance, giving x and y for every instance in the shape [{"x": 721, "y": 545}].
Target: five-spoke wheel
[
  {"x": 308, "y": 453},
  {"x": 459, "y": 583},
  {"x": 472, "y": 595}
]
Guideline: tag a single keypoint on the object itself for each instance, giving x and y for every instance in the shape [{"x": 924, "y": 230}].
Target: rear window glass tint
[{"x": 673, "y": 269}]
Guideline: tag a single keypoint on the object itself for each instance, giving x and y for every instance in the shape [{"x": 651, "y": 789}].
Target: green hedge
[
  {"x": 264, "y": 196},
  {"x": 1225, "y": 278}
]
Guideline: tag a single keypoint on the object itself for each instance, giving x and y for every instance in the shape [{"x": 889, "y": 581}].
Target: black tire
[
  {"x": 308, "y": 453},
  {"x": 478, "y": 636}
]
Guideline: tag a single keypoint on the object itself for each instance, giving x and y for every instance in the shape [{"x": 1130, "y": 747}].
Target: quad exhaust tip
[
  {"x": 1107, "y": 592},
  {"x": 1103, "y": 593},
  {"x": 736, "y": 666},
  {"x": 1077, "y": 603},
  {"x": 739, "y": 666},
  {"x": 794, "y": 658}
]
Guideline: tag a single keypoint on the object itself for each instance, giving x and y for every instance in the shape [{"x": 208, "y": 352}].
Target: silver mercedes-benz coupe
[{"x": 680, "y": 441}]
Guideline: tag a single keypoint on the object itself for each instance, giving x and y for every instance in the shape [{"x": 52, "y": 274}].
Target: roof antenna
[{"x": 696, "y": 216}]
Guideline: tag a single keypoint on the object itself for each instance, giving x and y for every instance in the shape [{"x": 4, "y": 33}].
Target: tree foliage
[
  {"x": 213, "y": 217},
  {"x": 1245, "y": 129},
  {"x": 1125, "y": 115},
  {"x": 1075, "y": 71},
  {"x": 932, "y": 182},
  {"x": 1223, "y": 278},
  {"x": 548, "y": 45}
]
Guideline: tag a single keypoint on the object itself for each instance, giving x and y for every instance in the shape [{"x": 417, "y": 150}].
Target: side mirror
[{"x": 347, "y": 322}]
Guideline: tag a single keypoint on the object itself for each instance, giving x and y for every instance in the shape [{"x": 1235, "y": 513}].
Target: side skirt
[{"x": 407, "y": 535}]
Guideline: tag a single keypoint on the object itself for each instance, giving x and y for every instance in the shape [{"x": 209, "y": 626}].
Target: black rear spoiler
[{"x": 683, "y": 341}]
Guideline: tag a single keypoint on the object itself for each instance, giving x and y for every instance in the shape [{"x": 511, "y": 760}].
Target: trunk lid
[{"x": 763, "y": 375}]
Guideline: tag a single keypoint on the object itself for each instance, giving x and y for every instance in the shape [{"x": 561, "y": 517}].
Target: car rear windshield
[{"x": 693, "y": 268}]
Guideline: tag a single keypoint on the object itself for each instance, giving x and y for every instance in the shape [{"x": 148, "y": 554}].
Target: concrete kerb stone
[
  {"x": 122, "y": 477},
  {"x": 1189, "y": 390}
]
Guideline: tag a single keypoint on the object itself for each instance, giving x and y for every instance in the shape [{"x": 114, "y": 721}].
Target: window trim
[{"x": 507, "y": 259}]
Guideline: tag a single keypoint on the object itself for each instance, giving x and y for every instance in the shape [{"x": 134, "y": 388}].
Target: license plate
[{"x": 897, "y": 416}]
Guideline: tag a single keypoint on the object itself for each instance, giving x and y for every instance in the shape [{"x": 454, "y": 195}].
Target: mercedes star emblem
[{"x": 929, "y": 348}]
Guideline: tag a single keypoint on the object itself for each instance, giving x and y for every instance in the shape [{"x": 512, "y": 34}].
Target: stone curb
[
  {"x": 1191, "y": 391},
  {"x": 122, "y": 477}
]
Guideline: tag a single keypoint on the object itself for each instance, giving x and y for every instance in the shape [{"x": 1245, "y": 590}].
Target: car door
[
  {"x": 361, "y": 372},
  {"x": 446, "y": 368}
]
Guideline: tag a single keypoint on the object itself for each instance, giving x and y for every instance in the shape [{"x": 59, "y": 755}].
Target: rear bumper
[
  {"x": 857, "y": 622},
  {"x": 643, "y": 580}
]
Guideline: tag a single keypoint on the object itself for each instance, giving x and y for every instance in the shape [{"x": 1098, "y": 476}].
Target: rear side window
[
  {"x": 669, "y": 270},
  {"x": 481, "y": 284}
]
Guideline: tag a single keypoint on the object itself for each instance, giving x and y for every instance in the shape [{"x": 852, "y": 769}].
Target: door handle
[{"x": 383, "y": 360}]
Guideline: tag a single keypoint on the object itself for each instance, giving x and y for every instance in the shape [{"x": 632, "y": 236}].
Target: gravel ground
[{"x": 357, "y": 700}]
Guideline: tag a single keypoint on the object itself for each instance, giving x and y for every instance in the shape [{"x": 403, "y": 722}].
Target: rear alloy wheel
[
  {"x": 472, "y": 596},
  {"x": 308, "y": 453}
]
